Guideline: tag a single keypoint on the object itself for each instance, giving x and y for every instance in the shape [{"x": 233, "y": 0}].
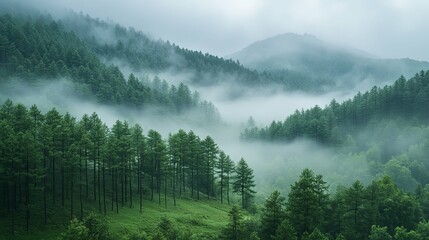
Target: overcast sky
[{"x": 386, "y": 28}]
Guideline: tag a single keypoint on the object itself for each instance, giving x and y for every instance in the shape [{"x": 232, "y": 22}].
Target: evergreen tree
[
  {"x": 285, "y": 231},
  {"x": 235, "y": 229},
  {"x": 210, "y": 151},
  {"x": 272, "y": 215},
  {"x": 244, "y": 183},
  {"x": 304, "y": 208}
]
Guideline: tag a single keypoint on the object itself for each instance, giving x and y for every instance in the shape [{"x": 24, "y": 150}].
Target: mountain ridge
[{"x": 326, "y": 63}]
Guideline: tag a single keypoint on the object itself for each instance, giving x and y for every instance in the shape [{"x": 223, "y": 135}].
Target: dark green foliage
[
  {"x": 423, "y": 229},
  {"x": 167, "y": 229},
  {"x": 357, "y": 208},
  {"x": 141, "y": 52},
  {"x": 141, "y": 235},
  {"x": 97, "y": 228},
  {"x": 401, "y": 233},
  {"x": 75, "y": 231},
  {"x": 43, "y": 48},
  {"x": 235, "y": 229},
  {"x": 50, "y": 161},
  {"x": 91, "y": 228},
  {"x": 273, "y": 214},
  {"x": 158, "y": 235},
  {"x": 354, "y": 215},
  {"x": 317, "y": 235},
  {"x": 405, "y": 99},
  {"x": 379, "y": 233},
  {"x": 307, "y": 202},
  {"x": 285, "y": 231},
  {"x": 340, "y": 237},
  {"x": 244, "y": 183}
]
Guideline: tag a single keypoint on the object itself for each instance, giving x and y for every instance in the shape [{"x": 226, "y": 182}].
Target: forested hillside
[
  {"x": 114, "y": 42},
  {"x": 50, "y": 160},
  {"x": 377, "y": 211},
  {"x": 386, "y": 126},
  {"x": 103, "y": 154},
  {"x": 40, "y": 48},
  {"x": 404, "y": 100}
]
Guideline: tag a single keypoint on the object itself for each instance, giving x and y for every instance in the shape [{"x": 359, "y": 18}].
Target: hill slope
[
  {"x": 203, "y": 218},
  {"x": 34, "y": 48},
  {"x": 325, "y": 64}
]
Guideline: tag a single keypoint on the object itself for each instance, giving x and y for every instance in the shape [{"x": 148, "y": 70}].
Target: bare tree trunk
[
  {"x": 104, "y": 187},
  {"x": 98, "y": 178}
]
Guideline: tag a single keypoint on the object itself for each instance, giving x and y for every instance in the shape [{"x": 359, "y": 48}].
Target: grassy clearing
[{"x": 206, "y": 217}]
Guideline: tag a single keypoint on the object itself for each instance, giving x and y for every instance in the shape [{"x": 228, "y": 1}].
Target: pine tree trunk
[
  {"x": 208, "y": 187},
  {"x": 94, "y": 176},
  {"x": 165, "y": 191},
  {"x": 221, "y": 187},
  {"x": 116, "y": 190},
  {"x": 131, "y": 186},
  {"x": 227, "y": 189},
  {"x": 53, "y": 181},
  {"x": 13, "y": 207},
  {"x": 71, "y": 192},
  {"x": 152, "y": 179},
  {"x": 139, "y": 183},
  {"x": 174, "y": 183},
  {"x": 86, "y": 171},
  {"x": 80, "y": 184},
  {"x": 159, "y": 182},
  {"x": 198, "y": 181},
  {"x": 45, "y": 186},
  {"x": 104, "y": 187},
  {"x": 192, "y": 182},
  {"x": 14, "y": 204},
  {"x": 183, "y": 176},
  {"x": 122, "y": 186},
  {"x": 62, "y": 184},
  {"x": 125, "y": 170},
  {"x": 98, "y": 181},
  {"x": 113, "y": 186},
  {"x": 27, "y": 197},
  {"x": 62, "y": 172}
]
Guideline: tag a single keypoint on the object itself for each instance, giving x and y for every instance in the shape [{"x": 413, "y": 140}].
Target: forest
[
  {"x": 152, "y": 143},
  {"x": 54, "y": 159},
  {"x": 44, "y": 49}
]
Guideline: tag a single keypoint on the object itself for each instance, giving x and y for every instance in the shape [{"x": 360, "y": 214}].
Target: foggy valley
[{"x": 123, "y": 124}]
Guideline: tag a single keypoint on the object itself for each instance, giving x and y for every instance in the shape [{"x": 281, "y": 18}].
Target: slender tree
[{"x": 244, "y": 183}]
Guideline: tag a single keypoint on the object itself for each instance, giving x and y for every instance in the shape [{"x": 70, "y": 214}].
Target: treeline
[
  {"x": 405, "y": 99},
  {"x": 145, "y": 53},
  {"x": 38, "y": 47},
  {"x": 53, "y": 160},
  {"x": 377, "y": 211},
  {"x": 142, "y": 52}
]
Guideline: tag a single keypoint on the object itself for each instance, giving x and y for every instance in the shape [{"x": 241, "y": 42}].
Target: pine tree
[
  {"x": 139, "y": 146},
  {"x": 304, "y": 207},
  {"x": 223, "y": 171},
  {"x": 272, "y": 214},
  {"x": 210, "y": 157},
  {"x": 285, "y": 231},
  {"x": 235, "y": 228},
  {"x": 244, "y": 183}
]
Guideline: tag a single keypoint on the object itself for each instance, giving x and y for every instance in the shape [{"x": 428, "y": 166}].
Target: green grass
[{"x": 206, "y": 217}]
